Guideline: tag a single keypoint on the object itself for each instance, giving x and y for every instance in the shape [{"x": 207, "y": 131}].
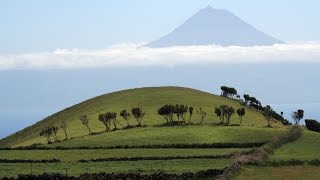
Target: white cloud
[{"x": 131, "y": 55}]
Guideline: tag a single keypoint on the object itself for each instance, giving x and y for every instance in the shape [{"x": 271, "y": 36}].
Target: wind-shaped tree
[
  {"x": 241, "y": 112},
  {"x": 297, "y": 115},
  {"x": 85, "y": 121},
  {"x": 138, "y": 114}
]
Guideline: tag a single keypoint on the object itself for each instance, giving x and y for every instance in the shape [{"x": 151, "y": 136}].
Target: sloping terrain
[{"x": 149, "y": 99}]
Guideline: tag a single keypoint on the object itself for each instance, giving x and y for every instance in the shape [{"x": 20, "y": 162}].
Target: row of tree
[
  {"x": 168, "y": 112},
  {"x": 111, "y": 118},
  {"x": 50, "y": 133},
  {"x": 254, "y": 103},
  {"x": 224, "y": 112}
]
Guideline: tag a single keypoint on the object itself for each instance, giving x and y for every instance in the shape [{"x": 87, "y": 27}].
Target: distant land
[{"x": 212, "y": 26}]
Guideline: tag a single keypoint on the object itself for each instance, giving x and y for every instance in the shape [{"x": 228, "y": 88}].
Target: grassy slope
[
  {"x": 176, "y": 135},
  {"x": 150, "y": 99},
  {"x": 307, "y": 147}
]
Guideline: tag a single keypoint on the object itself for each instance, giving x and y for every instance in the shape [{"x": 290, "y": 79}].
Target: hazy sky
[
  {"x": 38, "y": 25},
  {"x": 37, "y": 38}
]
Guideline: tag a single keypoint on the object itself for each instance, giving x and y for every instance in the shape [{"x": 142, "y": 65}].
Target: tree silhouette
[
  {"x": 228, "y": 92},
  {"x": 228, "y": 113},
  {"x": 218, "y": 112},
  {"x": 167, "y": 112},
  {"x": 47, "y": 134},
  {"x": 105, "y": 120},
  {"x": 64, "y": 127},
  {"x": 85, "y": 121},
  {"x": 268, "y": 114},
  {"x": 241, "y": 112},
  {"x": 125, "y": 115},
  {"x": 202, "y": 114},
  {"x": 54, "y": 132},
  {"x": 297, "y": 115},
  {"x": 138, "y": 114},
  {"x": 190, "y": 113}
]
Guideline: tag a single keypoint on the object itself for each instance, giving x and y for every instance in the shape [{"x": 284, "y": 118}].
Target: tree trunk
[
  {"x": 115, "y": 124},
  {"x": 190, "y": 119}
]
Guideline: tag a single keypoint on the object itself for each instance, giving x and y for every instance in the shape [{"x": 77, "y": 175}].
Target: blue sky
[{"x": 40, "y": 25}]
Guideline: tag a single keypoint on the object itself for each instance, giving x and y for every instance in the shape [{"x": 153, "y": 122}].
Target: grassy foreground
[
  {"x": 76, "y": 169},
  {"x": 279, "y": 173},
  {"x": 307, "y": 147}
]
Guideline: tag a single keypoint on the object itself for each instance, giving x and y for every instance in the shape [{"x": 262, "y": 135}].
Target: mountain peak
[
  {"x": 212, "y": 26},
  {"x": 208, "y": 8}
]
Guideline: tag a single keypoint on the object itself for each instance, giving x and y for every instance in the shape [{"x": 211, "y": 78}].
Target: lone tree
[
  {"x": 202, "y": 114},
  {"x": 229, "y": 111},
  {"x": 190, "y": 113},
  {"x": 105, "y": 120},
  {"x": 54, "y": 130},
  {"x": 64, "y": 127},
  {"x": 181, "y": 111},
  {"x": 268, "y": 114},
  {"x": 126, "y": 116},
  {"x": 113, "y": 117},
  {"x": 241, "y": 112},
  {"x": 252, "y": 101},
  {"x": 85, "y": 121},
  {"x": 218, "y": 112},
  {"x": 228, "y": 92},
  {"x": 184, "y": 111},
  {"x": 297, "y": 115},
  {"x": 47, "y": 134},
  {"x": 138, "y": 114},
  {"x": 224, "y": 112},
  {"x": 166, "y": 112}
]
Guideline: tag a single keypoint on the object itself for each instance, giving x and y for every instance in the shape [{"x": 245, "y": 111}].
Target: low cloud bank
[{"x": 133, "y": 55}]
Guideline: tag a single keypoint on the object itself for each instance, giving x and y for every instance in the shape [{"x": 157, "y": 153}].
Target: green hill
[{"x": 149, "y": 99}]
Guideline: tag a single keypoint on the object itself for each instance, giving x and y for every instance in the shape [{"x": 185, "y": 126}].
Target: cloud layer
[{"x": 133, "y": 55}]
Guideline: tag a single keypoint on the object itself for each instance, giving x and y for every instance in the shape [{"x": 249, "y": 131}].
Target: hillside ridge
[{"x": 148, "y": 98}]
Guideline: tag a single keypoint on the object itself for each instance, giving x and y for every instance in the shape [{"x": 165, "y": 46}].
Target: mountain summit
[{"x": 214, "y": 26}]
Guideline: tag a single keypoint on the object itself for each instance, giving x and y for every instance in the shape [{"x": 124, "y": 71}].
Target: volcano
[{"x": 212, "y": 26}]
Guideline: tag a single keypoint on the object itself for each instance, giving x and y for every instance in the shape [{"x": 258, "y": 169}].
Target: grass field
[
  {"x": 176, "y": 135},
  {"x": 76, "y": 169},
  {"x": 307, "y": 147},
  {"x": 75, "y": 155},
  {"x": 150, "y": 99},
  {"x": 279, "y": 173}
]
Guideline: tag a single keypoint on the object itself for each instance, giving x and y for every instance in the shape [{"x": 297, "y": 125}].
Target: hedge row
[
  {"x": 123, "y": 176},
  {"x": 293, "y": 162},
  {"x": 154, "y": 158},
  {"x": 29, "y": 161},
  {"x": 151, "y": 146}
]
